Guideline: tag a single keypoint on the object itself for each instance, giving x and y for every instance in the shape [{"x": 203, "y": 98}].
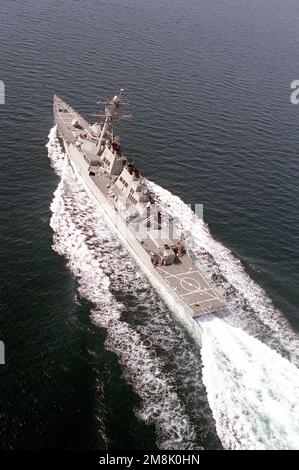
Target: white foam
[
  {"x": 56, "y": 156},
  {"x": 252, "y": 390},
  {"x": 81, "y": 235},
  {"x": 252, "y": 309}
]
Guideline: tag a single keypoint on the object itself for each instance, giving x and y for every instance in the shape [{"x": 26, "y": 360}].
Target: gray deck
[
  {"x": 64, "y": 115},
  {"x": 192, "y": 286},
  {"x": 183, "y": 276}
]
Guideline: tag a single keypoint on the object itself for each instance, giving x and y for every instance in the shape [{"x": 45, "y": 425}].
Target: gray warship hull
[{"x": 181, "y": 284}]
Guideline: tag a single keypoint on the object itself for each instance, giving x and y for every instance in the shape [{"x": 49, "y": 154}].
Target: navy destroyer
[{"x": 117, "y": 186}]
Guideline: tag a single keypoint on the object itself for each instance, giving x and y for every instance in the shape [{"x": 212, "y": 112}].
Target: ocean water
[{"x": 95, "y": 358}]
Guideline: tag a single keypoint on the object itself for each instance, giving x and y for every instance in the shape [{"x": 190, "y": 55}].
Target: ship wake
[
  {"x": 248, "y": 359},
  {"x": 252, "y": 390},
  {"x": 252, "y": 309},
  {"x": 107, "y": 277}
]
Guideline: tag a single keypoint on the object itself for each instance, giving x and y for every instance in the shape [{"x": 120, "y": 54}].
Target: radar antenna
[{"x": 111, "y": 112}]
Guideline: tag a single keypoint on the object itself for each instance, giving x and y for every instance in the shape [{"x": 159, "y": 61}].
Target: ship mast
[{"x": 111, "y": 112}]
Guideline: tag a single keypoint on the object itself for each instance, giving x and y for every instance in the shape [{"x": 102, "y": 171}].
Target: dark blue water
[{"x": 212, "y": 123}]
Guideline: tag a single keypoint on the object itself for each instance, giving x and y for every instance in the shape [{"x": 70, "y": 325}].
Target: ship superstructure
[{"x": 116, "y": 185}]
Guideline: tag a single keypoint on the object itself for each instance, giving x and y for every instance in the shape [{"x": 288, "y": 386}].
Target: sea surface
[{"x": 95, "y": 358}]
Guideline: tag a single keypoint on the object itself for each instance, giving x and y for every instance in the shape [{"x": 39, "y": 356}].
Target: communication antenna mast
[{"x": 111, "y": 112}]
